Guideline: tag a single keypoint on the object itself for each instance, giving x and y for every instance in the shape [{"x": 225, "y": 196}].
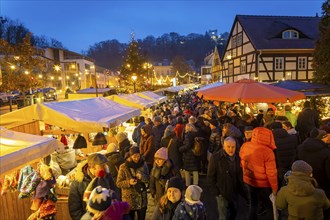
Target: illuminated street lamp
[{"x": 134, "y": 77}]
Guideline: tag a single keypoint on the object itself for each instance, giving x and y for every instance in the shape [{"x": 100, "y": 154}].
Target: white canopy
[
  {"x": 87, "y": 115},
  {"x": 133, "y": 100},
  {"x": 19, "y": 148},
  {"x": 210, "y": 86},
  {"x": 152, "y": 96},
  {"x": 178, "y": 88}
]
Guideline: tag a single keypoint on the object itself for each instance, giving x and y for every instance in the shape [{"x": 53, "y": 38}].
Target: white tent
[
  {"x": 87, "y": 115},
  {"x": 152, "y": 96},
  {"x": 210, "y": 86},
  {"x": 17, "y": 149},
  {"x": 179, "y": 88},
  {"x": 133, "y": 100}
]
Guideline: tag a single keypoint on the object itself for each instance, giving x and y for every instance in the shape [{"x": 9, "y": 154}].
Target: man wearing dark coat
[
  {"x": 308, "y": 119},
  {"x": 225, "y": 179}
]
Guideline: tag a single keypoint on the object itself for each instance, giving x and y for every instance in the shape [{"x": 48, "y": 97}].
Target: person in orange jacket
[{"x": 259, "y": 167}]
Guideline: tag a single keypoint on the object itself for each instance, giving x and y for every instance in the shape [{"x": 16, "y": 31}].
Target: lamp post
[
  {"x": 96, "y": 92},
  {"x": 134, "y": 77}
]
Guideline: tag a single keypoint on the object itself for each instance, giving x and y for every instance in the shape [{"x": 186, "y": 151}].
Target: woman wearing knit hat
[
  {"x": 162, "y": 170},
  {"x": 132, "y": 177},
  {"x": 123, "y": 143},
  {"x": 169, "y": 201},
  {"x": 301, "y": 196},
  {"x": 191, "y": 207}
]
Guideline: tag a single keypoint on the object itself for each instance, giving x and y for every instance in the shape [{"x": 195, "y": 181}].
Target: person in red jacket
[{"x": 259, "y": 167}]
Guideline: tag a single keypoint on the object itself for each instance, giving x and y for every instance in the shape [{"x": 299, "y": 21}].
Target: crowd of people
[{"x": 244, "y": 158}]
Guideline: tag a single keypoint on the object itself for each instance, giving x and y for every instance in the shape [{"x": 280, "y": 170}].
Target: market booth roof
[
  {"x": 250, "y": 91},
  {"x": 152, "y": 96},
  {"x": 210, "y": 86},
  {"x": 19, "y": 148},
  {"x": 132, "y": 100},
  {"x": 87, "y": 115},
  {"x": 309, "y": 89}
]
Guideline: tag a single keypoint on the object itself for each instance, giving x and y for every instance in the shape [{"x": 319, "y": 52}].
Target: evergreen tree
[
  {"x": 321, "y": 61},
  {"x": 133, "y": 65}
]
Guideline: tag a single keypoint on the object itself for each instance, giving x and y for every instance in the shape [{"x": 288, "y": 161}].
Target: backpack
[{"x": 198, "y": 146}]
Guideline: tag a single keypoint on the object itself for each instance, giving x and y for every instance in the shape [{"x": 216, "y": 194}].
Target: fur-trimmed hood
[{"x": 82, "y": 171}]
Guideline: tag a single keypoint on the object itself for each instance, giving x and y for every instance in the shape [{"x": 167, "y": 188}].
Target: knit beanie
[
  {"x": 193, "y": 194},
  {"x": 161, "y": 153},
  {"x": 100, "y": 199},
  {"x": 301, "y": 166},
  {"x": 121, "y": 136},
  {"x": 112, "y": 147},
  {"x": 175, "y": 182},
  {"x": 96, "y": 159},
  {"x": 169, "y": 131},
  {"x": 317, "y": 133},
  {"x": 134, "y": 150}
]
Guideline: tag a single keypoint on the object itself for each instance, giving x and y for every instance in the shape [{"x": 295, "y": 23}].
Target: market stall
[
  {"x": 208, "y": 86},
  {"x": 81, "y": 116},
  {"x": 18, "y": 150},
  {"x": 133, "y": 100},
  {"x": 152, "y": 96}
]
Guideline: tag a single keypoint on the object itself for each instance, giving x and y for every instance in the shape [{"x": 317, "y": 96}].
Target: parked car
[
  {"x": 49, "y": 93},
  {"x": 3, "y": 98}
]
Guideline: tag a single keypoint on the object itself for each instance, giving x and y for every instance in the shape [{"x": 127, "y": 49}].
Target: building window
[
  {"x": 279, "y": 63},
  {"x": 239, "y": 39},
  {"x": 302, "y": 63},
  {"x": 243, "y": 66},
  {"x": 290, "y": 34},
  {"x": 230, "y": 69},
  {"x": 233, "y": 42}
]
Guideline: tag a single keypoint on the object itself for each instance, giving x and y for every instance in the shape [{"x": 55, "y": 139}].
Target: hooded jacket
[
  {"x": 302, "y": 199},
  {"x": 77, "y": 207},
  {"x": 258, "y": 160}
]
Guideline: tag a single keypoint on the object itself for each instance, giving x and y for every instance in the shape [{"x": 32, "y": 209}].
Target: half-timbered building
[{"x": 270, "y": 48}]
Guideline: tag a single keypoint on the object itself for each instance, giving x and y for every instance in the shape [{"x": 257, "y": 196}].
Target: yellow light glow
[
  {"x": 40, "y": 76},
  {"x": 12, "y": 67},
  {"x": 228, "y": 57},
  {"x": 79, "y": 78},
  {"x": 92, "y": 67},
  {"x": 16, "y": 57},
  {"x": 57, "y": 68},
  {"x": 72, "y": 83},
  {"x": 26, "y": 72},
  {"x": 60, "y": 78},
  {"x": 134, "y": 77},
  {"x": 52, "y": 77},
  {"x": 68, "y": 77},
  {"x": 73, "y": 66},
  {"x": 76, "y": 74}
]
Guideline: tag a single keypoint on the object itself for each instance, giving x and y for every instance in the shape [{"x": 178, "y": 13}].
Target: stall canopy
[
  {"x": 133, "y": 100},
  {"x": 210, "y": 86},
  {"x": 87, "y": 115},
  {"x": 309, "y": 89},
  {"x": 19, "y": 148},
  {"x": 152, "y": 96},
  {"x": 250, "y": 91},
  {"x": 176, "y": 89}
]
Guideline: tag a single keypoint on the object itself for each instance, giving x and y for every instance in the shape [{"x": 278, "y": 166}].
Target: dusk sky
[{"x": 80, "y": 24}]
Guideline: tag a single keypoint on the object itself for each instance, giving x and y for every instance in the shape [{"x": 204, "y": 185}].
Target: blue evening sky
[{"x": 80, "y": 24}]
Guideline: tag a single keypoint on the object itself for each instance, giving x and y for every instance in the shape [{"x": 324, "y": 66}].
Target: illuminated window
[
  {"x": 290, "y": 34},
  {"x": 279, "y": 63},
  {"x": 243, "y": 66},
  {"x": 302, "y": 63}
]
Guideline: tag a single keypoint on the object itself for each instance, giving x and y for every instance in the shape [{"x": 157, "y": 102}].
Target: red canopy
[{"x": 250, "y": 91}]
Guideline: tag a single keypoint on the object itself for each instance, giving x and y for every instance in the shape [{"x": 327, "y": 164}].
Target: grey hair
[{"x": 230, "y": 138}]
